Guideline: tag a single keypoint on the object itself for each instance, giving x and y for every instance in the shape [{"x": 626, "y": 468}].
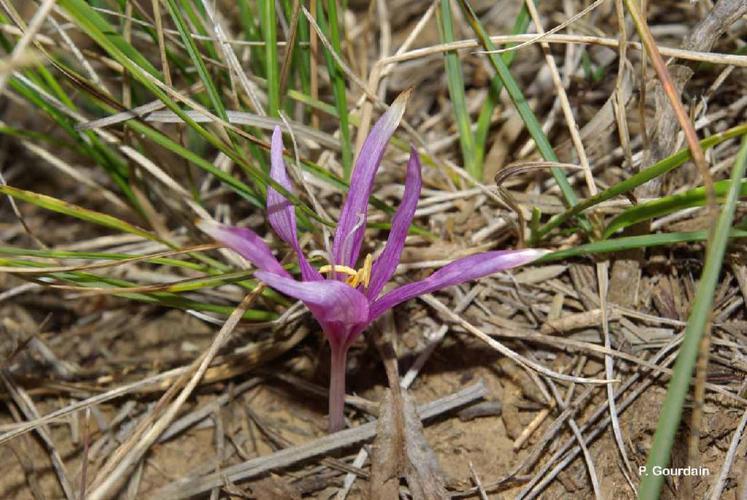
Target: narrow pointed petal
[
  {"x": 342, "y": 311},
  {"x": 246, "y": 243},
  {"x": 460, "y": 271},
  {"x": 352, "y": 224},
  {"x": 386, "y": 264},
  {"x": 280, "y": 211}
]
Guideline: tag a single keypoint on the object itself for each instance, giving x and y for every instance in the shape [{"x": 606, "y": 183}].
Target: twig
[
  {"x": 233, "y": 61},
  {"x": 24, "y": 402},
  {"x": 602, "y": 268},
  {"x": 478, "y": 483},
  {"x": 541, "y": 35},
  {"x": 514, "y": 356},
  {"x": 729, "y": 459},
  {"x": 577, "y": 434},
  {"x": 689, "y": 55},
  {"x": 668, "y": 85},
  {"x": 543, "y": 477},
  {"x": 207, "y": 410},
  {"x": 193, "y": 486},
  {"x": 112, "y": 475},
  {"x": 85, "y": 458},
  {"x": 28, "y": 36}
]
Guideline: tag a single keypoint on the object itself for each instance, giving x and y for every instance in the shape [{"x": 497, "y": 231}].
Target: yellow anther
[
  {"x": 355, "y": 278},
  {"x": 366, "y": 271},
  {"x": 338, "y": 269}
]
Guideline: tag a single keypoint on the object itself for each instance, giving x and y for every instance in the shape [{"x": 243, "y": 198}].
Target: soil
[{"x": 265, "y": 390}]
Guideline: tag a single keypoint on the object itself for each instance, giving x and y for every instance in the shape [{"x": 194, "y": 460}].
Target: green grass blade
[
  {"x": 176, "y": 301},
  {"x": 700, "y": 315},
  {"x": 645, "y": 175},
  {"x": 73, "y": 254},
  {"x": 197, "y": 19},
  {"x": 330, "y": 26},
  {"x": 496, "y": 85},
  {"x": 63, "y": 207},
  {"x": 668, "y": 204},
  {"x": 163, "y": 298},
  {"x": 33, "y": 135},
  {"x": 111, "y": 43},
  {"x": 212, "y": 90},
  {"x": 194, "y": 54},
  {"x": 91, "y": 22},
  {"x": 522, "y": 107},
  {"x": 251, "y": 33},
  {"x": 303, "y": 54},
  {"x": 163, "y": 140},
  {"x": 212, "y": 281},
  {"x": 455, "y": 82},
  {"x": 87, "y": 143},
  {"x": 633, "y": 242},
  {"x": 104, "y": 34},
  {"x": 268, "y": 22}
]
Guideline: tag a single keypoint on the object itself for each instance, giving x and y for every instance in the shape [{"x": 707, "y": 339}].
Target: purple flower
[{"x": 346, "y": 300}]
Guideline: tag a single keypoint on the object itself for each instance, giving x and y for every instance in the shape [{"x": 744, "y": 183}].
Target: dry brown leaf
[
  {"x": 400, "y": 450},
  {"x": 423, "y": 473},
  {"x": 387, "y": 458}
]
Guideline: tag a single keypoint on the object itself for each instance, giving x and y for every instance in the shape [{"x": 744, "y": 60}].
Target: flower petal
[
  {"x": 386, "y": 264},
  {"x": 342, "y": 311},
  {"x": 245, "y": 242},
  {"x": 352, "y": 224},
  {"x": 280, "y": 211},
  {"x": 459, "y": 271}
]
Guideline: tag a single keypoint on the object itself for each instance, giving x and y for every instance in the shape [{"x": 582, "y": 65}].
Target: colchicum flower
[{"x": 345, "y": 300}]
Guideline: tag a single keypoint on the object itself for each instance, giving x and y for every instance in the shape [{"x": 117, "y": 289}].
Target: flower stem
[{"x": 337, "y": 388}]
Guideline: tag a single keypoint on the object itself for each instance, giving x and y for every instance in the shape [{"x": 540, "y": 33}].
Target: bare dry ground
[{"x": 110, "y": 366}]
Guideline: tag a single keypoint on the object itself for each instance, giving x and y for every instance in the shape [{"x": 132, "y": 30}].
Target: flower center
[{"x": 355, "y": 278}]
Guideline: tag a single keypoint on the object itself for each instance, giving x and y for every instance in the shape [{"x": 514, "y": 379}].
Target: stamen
[
  {"x": 353, "y": 281},
  {"x": 355, "y": 278},
  {"x": 366, "y": 270},
  {"x": 338, "y": 269}
]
